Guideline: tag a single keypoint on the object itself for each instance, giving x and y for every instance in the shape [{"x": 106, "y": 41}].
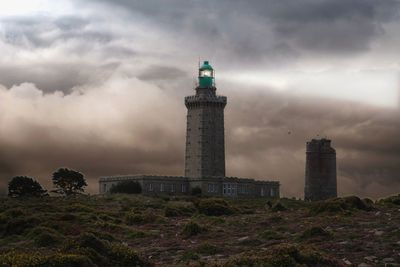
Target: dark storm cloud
[{"x": 261, "y": 29}]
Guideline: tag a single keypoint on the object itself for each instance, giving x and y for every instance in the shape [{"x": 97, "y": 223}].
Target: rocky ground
[{"x": 123, "y": 230}]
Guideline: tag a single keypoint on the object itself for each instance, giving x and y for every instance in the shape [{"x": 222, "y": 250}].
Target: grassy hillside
[{"x": 123, "y": 230}]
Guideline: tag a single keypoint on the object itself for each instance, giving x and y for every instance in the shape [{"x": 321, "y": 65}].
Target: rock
[
  {"x": 347, "y": 262},
  {"x": 343, "y": 243},
  {"x": 243, "y": 238},
  {"x": 388, "y": 260},
  {"x": 378, "y": 233},
  {"x": 370, "y": 258},
  {"x": 364, "y": 265},
  {"x": 377, "y": 213},
  {"x": 398, "y": 243}
]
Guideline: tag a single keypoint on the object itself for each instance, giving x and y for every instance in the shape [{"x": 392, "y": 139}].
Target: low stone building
[
  {"x": 210, "y": 186},
  {"x": 204, "y": 154}
]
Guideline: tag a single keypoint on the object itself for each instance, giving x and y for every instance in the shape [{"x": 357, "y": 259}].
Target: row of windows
[
  {"x": 229, "y": 189},
  {"x": 163, "y": 188}
]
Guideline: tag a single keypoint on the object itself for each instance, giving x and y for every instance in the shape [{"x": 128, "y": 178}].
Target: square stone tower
[
  {"x": 205, "y": 142},
  {"x": 320, "y": 182}
]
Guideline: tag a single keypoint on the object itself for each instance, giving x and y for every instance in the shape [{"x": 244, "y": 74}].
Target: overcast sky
[{"x": 98, "y": 86}]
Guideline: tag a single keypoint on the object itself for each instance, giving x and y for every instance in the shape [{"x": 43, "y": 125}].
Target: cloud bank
[{"x": 101, "y": 89}]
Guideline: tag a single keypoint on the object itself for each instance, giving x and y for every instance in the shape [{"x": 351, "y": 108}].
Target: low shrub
[
  {"x": 215, "y": 207},
  {"x": 189, "y": 255},
  {"x": 142, "y": 218},
  {"x": 19, "y": 225},
  {"x": 283, "y": 255},
  {"x": 196, "y": 191},
  {"x": 136, "y": 234},
  {"x": 207, "y": 249},
  {"x": 191, "y": 229},
  {"x": 271, "y": 235},
  {"x": 338, "y": 205},
  {"x": 45, "y": 237},
  {"x": 179, "y": 209},
  {"x": 18, "y": 259},
  {"x": 316, "y": 232},
  {"x": 278, "y": 206},
  {"x": 392, "y": 200}
]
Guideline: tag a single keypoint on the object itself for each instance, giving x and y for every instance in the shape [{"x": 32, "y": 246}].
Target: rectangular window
[
  {"x": 104, "y": 188},
  {"x": 272, "y": 192},
  {"x": 224, "y": 189},
  {"x": 183, "y": 188},
  {"x": 150, "y": 187},
  {"x": 161, "y": 187},
  {"x": 172, "y": 187},
  {"x": 209, "y": 188},
  {"x": 262, "y": 192}
]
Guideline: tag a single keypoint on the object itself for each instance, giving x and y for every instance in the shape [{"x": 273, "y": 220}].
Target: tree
[
  {"x": 127, "y": 187},
  {"x": 23, "y": 186},
  {"x": 68, "y": 182}
]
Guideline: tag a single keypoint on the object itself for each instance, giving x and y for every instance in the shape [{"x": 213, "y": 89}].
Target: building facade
[
  {"x": 204, "y": 154},
  {"x": 320, "y": 174}
]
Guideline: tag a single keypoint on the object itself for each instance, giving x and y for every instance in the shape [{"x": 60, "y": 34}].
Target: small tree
[
  {"x": 127, "y": 187},
  {"x": 68, "y": 182},
  {"x": 22, "y": 186}
]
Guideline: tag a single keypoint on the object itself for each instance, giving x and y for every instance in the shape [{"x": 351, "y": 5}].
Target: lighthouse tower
[{"x": 205, "y": 142}]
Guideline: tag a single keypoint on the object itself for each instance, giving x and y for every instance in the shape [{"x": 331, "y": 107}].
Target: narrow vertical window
[
  {"x": 150, "y": 187},
  {"x": 161, "y": 187}
]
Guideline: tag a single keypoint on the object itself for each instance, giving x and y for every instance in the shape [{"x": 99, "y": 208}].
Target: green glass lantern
[{"x": 206, "y": 75}]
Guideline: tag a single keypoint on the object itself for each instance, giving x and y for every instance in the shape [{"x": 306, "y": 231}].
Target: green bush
[
  {"x": 44, "y": 236},
  {"x": 196, "y": 191},
  {"x": 126, "y": 187},
  {"x": 283, "y": 255},
  {"x": 191, "y": 229},
  {"x": 179, "y": 209},
  {"x": 215, "y": 207},
  {"x": 189, "y": 255},
  {"x": 271, "y": 235},
  {"x": 278, "y": 206},
  {"x": 19, "y": 259},
  {"x": 392, "y": 200},
  {"x": 142, "y": 218},
  {"x": 316, "y": 232},
  {"x": 207, "y": 249},
  {"x": 17, "y": 226},
  {"x": 339, "y": 205}
]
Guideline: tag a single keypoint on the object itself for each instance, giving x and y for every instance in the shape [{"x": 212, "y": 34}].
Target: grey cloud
[
  {"x": 156, "y": 72},
  {"x": 55, "y": 77}
]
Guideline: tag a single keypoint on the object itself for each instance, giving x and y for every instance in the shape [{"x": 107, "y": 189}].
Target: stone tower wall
[
  {"x": 320, "y": 176},
  {"x": 205, "y": 144}
]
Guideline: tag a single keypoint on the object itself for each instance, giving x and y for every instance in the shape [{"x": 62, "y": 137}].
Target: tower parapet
[{"x": 320, "y": 175}]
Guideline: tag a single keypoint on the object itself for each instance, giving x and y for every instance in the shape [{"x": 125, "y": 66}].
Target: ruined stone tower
[
  {"x": 205, "y": 145},
  {"x": 320, "y": 180}
]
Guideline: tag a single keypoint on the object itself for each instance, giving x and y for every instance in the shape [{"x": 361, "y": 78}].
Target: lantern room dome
[{"x": 206, "y": 66}]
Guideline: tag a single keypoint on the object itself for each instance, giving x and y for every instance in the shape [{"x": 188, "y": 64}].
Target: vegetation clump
[
  {"x": 68, "y": 182},
  {"x": 179, "y": 209},
  {"x": 278, "y": 206},
  {"x": 392, "y": 200},
  {"x": 23, "y": 186},
  {"x": 316, "y": 232},
  {"x": 338, "y": 205},
  {"x": 283, "y": 255},
  {"x": 215, "y": 207},
  {"x": 191, "y": 229}
]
